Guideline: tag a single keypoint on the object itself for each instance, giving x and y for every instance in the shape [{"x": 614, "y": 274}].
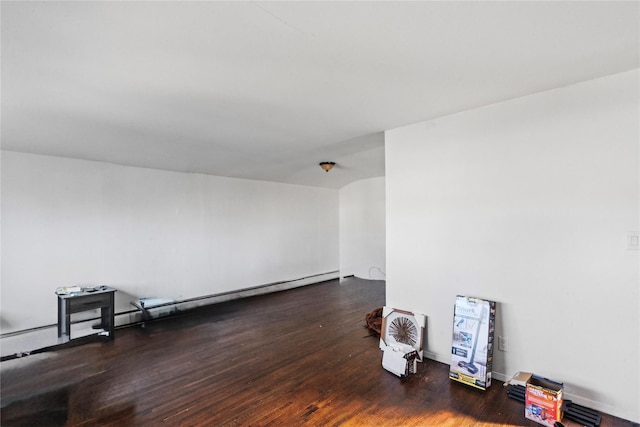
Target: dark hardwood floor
[{"x": 298, "y": 357}]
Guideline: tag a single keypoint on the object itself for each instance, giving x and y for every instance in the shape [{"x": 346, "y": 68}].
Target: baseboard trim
[
  {"x": 190, "y": 303},
  {"x": 499, "y": 378}
]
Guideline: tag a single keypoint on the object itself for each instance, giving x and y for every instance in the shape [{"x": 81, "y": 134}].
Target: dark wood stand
[{"x": 102, "y": 298}]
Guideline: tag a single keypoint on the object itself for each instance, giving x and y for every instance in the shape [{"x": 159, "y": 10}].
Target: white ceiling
[{"x": 266, "y": 90}]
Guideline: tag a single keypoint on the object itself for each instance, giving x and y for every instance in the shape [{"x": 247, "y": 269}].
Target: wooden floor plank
[{"x": 298, "y": 357}]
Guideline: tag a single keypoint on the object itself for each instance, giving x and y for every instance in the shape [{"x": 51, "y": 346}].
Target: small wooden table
[{"x": 102, "y": 298}]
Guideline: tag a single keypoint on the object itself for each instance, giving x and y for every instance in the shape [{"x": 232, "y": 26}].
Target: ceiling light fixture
[{"x": 327, "y": 166}]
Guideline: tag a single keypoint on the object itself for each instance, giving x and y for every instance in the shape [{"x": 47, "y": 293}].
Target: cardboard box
[
  {"x": 402, "y": 329},
  {"x": 401, "y": 340},
  {"x": 519, "y": 378},
  {"x": 472, "y": 343},
  {"x": 543, "y": 401},
  {"x": 400, "y": 363}
]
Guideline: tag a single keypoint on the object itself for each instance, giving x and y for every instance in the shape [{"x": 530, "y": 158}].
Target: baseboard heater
[
  {"x": 195, "y": 302},
  {"x": 581, "y": 414},
  {"x": 144, "y": 306}
]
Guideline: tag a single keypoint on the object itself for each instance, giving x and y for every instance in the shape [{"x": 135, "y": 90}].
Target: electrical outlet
[{"x": 503, "y": 343}]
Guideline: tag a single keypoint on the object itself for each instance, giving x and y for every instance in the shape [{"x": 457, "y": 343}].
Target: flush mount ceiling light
[{"x": 327, "y": 166}]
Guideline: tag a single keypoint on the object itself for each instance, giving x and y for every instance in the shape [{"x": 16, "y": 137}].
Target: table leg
[
  {"x": 60, "y": 310},
  {"x": 64, "y": 319},
  {"x": 107, "y": 315}
]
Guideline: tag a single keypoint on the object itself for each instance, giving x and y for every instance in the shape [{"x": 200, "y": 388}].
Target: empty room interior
[{"x": 281, "y": 170}]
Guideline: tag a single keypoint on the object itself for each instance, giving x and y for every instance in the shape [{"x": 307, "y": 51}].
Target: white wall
[
  {"x": 151, "y": 233},
  {"x": 528, "y": 203},
  {"x": 362, "y": 229}
]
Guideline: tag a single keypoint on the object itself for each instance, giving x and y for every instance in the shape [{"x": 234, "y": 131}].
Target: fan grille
[{"x": 403, "y": 331}]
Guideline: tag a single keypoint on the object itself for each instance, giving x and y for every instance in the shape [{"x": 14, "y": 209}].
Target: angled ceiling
[{"x": 266, "y": 90}]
